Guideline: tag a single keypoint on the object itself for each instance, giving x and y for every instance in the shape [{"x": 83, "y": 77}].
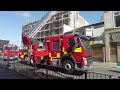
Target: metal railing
[{"x": 51, "y": 72}]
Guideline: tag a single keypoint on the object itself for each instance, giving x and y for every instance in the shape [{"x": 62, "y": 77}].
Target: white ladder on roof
[{"x": 35, "y": 29}]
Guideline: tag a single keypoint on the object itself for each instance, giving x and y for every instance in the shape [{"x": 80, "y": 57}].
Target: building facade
[
  {"x": 3, "y": 42},
  {"x": 112, "y": 36}
]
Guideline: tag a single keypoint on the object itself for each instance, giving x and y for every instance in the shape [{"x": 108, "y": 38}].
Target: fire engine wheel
[
  {"x": 68, "y": 65},
  {"x": 26, "y": 58},
  {"x": 31, "y": 60}
]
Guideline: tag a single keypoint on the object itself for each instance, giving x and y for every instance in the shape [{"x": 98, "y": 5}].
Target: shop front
[{"x": 113, "y": 46}]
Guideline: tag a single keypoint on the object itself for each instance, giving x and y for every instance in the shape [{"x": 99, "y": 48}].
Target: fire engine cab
[{"x": 10, "y": 52}]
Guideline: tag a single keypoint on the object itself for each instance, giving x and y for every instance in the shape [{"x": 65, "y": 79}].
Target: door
[
  {"x": 118, "y": 51},
  {"x": 55, "y": 51},
  {"x": 113, "y": 52}
]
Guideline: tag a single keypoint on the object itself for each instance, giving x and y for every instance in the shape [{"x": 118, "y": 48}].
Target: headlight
[
  {"x": 5, "y": 57},
  {"x": 84, "y": 58},
  {"x": 84, "y": 62}
]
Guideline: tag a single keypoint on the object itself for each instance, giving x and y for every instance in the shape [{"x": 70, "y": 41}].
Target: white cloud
[{"x": 24, "y": 14}]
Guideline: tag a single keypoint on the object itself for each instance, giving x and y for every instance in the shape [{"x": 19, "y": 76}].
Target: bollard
[
  {"x": 8, "y": 63},
  {"x": 85, "y": 75},
  {"x": 2, "y": 61},
  {"x": 14, "y": 65},
  {"x": 26, "y": 69},
  {"x": 34, "y": 68},
  {"x": 47, "y": 71},
  {"x": 34, "y": 64}
]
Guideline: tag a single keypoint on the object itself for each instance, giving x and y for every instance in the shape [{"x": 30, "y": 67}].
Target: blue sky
[
  {"x": 11, "y": 22},
  {"x": 92, "y": 16}
]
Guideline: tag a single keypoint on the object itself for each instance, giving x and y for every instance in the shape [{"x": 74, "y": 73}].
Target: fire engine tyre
[
  {"x": 19, "y": 56},
  {"x": 26, "y": 58},
  {"x": 31, "y": 60},
  {"x": 69, "y": 66}
]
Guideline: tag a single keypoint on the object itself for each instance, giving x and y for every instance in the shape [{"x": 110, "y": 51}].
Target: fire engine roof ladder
[{"x": 35, "y": 29}]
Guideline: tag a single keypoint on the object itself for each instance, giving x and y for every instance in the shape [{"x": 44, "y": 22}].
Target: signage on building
[
  {"x": 88, "y": 32},
  {"x": 66, "y": 28},
  {"x": 4, "y": 42},
  {"x": 114, "y": 37},
  {"x": 98, "y": 42}
]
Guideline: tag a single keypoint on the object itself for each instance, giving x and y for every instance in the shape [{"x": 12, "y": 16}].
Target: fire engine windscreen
[
  {"x": 10, "y": 47},
  {"x": 74, "y": 42},
  {"x": 6, "y": 48},
  {"x": 37, "y": 42},
  {"x": 14, "y": 48},
  {"x": 86, "y": 44},
  {"x": 1, "y": 48}
]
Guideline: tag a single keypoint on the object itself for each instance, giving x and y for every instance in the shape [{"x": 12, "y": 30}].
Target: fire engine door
[
  {"x": 77, "y": 50},
  {"x": 55, "y": 53},
  {"x": 48, "y": 46}
]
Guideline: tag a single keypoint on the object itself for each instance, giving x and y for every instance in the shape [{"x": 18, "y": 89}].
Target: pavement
[
  {"x": 104, "y": 64},
  {"x": 106, "y": 68}
]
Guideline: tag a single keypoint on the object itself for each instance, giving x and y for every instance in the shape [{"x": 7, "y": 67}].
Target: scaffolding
[{"x": 54, "y": 26}]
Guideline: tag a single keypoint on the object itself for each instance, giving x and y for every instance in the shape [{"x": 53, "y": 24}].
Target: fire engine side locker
[{"x": 54, "y": 48}]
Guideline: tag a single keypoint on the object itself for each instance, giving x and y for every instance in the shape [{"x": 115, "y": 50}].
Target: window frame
[
  {"x": 55, "y": 45},
  {"x": 71, "y": 43},
  {"x": 114, "y": 22}
]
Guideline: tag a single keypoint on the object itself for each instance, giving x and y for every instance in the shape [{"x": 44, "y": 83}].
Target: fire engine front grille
[
  {"x": 12, "y": 55},
  {"x": 78, "y": 65}
]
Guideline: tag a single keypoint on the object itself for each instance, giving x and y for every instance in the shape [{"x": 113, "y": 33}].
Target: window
[
  {"x": 86, "y": 44},
  {"x": 46, "y": 26},
  {"x": 47, "y": 33},
  {"x": 117, "y": 21},
  {"x": 5, "y": 48},
  {"x": 113, "y": 48},
  {"x": 56, "y": 45},
  {"x": 71, "y": 42},
  {"x": 14, "y": 48},
  {"x": 1, "y": 48},
  {"x": 56, "y": 31},
  {"x": 116, "y": 16},
  {"x": 57, "y": 24},
  {"x": 77, "y": 44},
  {"x": 66, "y": 21}
]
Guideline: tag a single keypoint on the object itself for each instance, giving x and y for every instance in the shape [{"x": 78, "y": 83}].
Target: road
[{"x": 8, "y": 74}]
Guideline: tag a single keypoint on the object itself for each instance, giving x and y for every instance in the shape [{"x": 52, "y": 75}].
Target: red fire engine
[
  {"x": 10, "y": 52},
  {"x": 69, "y": 51}
]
